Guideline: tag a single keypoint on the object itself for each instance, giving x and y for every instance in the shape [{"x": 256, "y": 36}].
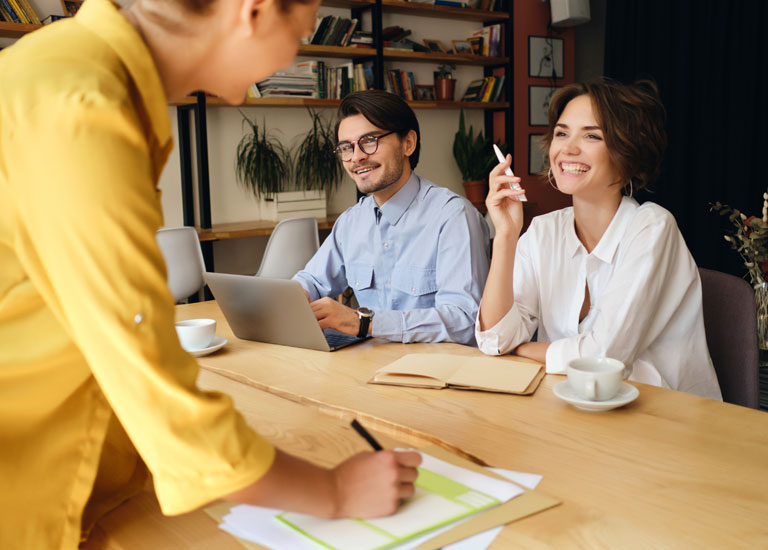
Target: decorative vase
[
  {"x": 444, "y": 89},
  {"x": 476, "y": 192}
]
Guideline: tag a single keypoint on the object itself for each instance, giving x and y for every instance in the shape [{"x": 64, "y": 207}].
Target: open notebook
[{"x": 440, "y": 370}]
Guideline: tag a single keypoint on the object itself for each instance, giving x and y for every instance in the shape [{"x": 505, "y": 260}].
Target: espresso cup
[
  {"x": 196, "y": 334},
  {"x": 595, "y": 378}
]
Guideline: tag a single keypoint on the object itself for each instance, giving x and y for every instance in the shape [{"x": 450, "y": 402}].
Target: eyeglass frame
[{"x": 356, "y": 142}]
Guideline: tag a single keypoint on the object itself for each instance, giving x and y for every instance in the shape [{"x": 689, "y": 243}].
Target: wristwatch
[{"x": 365, "y": 315}]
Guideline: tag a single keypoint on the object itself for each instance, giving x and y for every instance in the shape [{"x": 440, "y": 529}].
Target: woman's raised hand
[{"x": 505, "y": 210}]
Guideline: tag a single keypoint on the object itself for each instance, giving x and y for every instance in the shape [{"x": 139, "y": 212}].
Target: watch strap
[{"x": 365, "y": 322}]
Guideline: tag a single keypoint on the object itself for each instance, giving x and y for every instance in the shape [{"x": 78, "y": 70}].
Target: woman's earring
[
  {"x": 631, "y": 189},
  {"x": 550, "y": 180}
]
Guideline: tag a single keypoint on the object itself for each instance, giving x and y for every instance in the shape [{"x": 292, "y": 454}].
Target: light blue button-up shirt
[{"x": 419, "y": 262}]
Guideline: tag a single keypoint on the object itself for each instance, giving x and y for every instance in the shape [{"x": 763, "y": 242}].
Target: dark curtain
[{"x": 710, "y": 61}]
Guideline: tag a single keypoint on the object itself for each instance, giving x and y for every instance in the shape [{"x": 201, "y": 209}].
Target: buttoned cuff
[
  {"x": 502, "y": 337},
  {"x": 387, "y": 324},
  {"x": 487, "y": 340},
  {"x": 310, "y": 288}
]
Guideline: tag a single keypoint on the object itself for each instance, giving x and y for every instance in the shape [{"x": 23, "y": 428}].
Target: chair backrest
[
  {"x": 730, "y": 322},
  {"x": 184, "y": 260},
  {"x": 290, "y": 247}
]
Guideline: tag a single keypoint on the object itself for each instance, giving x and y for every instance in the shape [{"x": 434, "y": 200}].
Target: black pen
[{"x": 365, "y": 435}]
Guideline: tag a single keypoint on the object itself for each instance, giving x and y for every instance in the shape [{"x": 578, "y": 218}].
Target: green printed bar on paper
[{"x": 437, "y": 501}]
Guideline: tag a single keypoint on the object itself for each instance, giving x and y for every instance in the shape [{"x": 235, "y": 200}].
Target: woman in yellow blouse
[{"x": 91, "y": 372}]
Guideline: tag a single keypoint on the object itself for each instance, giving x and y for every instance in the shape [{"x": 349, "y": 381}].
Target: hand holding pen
[
  {"x": 515, "y": 185},
  {"x": 505, "y": 197},
  {"x": 373, "y": 484}
]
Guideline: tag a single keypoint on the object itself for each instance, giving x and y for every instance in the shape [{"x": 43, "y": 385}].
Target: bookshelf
[
  {"x": 16, "y": 30},
  {"x": 374, "y": 10}
]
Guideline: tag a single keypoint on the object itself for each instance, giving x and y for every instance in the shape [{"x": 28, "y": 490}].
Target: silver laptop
[{"x": 274, "y": 311}]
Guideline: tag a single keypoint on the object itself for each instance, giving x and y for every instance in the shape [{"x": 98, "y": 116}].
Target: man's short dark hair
[{"x": 383, "y": 110}]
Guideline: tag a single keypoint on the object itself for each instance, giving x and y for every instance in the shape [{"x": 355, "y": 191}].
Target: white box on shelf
[{"x": 294, "y": 204}]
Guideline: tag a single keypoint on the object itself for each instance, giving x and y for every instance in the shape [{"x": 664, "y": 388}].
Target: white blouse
[{"x": 645, "y": 299}]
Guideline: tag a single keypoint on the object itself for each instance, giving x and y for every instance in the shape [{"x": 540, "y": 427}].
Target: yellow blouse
[{"x": 88, "y": 350}]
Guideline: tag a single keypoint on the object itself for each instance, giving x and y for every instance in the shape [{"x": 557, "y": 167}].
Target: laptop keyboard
[{"x": 335, "y": 339}]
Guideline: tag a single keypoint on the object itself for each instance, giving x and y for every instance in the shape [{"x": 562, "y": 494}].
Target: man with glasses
[{"x": 416, "y": 255}]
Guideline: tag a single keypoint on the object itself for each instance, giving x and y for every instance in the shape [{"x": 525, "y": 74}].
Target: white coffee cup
[
  {"x": 595, "y": 378},
  {"x": 196, "y": 334}
]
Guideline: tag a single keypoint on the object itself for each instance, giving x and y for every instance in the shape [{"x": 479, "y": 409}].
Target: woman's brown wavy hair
[{"x": 632, "y": 120}]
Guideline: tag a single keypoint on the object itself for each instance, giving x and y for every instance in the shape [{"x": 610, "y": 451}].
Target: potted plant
[
  {"x": 475, "y": 158},
  {"x": 263, "y": 164},
  {"x": 316, "y": 166},
  {"x": 445, "y": 85}
]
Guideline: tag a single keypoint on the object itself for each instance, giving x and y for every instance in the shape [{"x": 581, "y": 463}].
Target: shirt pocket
[
  {"x": 359, "y": 276},
  {"x": 415, "y": 281}
]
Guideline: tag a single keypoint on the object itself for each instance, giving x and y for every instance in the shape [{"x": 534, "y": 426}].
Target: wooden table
[{"x": 670, "y": 470}]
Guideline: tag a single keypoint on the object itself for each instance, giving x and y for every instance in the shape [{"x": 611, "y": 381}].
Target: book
[
  {"x": 9, "y": 7},
  {"x": 451, "y": 3},
  {"x": 29, "y": 12},
  {"x": 474, "y": 90},
  {"x": 488, "y": 89},
  {"x": 317, "y": 38},
  {"x": 4, "y": 14},
  {"x": 348, "y": 36},
  {"x": 508, "y": 374}
]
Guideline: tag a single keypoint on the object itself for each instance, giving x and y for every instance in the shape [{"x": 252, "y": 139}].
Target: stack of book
[
  {"x": 337, "y": 82},
  {"x": 493, "y": 45},
  {"x": 18, "y": 11},
  {"x": 486, "y": 89},
  {"x": 300, "y": 80},
  {"x": 400, "y": 83},
  {"x": 361, "y": 39},
  {"x": 333, "y": 30}
]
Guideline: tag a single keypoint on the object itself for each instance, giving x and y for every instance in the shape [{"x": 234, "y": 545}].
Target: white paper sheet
[{"x": 259, "y": 524}]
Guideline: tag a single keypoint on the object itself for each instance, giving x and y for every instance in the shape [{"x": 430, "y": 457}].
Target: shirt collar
[
  {"x": 398, "y": 203},
  {"x": 103, "y": 19},
  {"x": 609, "y": 242}
]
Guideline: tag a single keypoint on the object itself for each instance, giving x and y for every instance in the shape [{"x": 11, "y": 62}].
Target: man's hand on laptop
[{"x": 332, "y": 314}]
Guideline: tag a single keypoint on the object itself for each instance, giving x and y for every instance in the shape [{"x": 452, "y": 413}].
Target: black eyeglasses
[{"x": 368, "y": 144}]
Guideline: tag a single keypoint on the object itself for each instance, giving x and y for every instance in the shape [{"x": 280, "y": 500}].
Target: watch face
[{"x": 365, "y": 312}]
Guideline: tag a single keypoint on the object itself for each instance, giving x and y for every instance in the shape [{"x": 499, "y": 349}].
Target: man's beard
[{"x": 385, "y": 179}]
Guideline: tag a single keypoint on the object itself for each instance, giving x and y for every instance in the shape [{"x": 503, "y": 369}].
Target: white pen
[{"x": 508, "y": 171}]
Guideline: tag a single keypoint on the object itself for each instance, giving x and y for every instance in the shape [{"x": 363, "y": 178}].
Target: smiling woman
[{"x": 606, "y": 276}]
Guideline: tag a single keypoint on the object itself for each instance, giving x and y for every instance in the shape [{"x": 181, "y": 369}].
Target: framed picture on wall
[
  {"x": 435, "y": 46},
  {"x": 425, "y": 92},
  {"x": 70, "y": 7},
  {"x": 538, "y": 104},
  {"x": 545, "y": 57},
  {"x": 536, "y": 155}
]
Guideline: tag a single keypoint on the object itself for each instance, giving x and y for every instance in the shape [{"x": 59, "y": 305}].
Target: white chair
[
  {"x": 290, "y": 247},
  {"x": 180, "y": 247}
]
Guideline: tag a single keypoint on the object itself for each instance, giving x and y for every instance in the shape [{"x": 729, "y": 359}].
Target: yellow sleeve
[{"x": 82, "y": 176}]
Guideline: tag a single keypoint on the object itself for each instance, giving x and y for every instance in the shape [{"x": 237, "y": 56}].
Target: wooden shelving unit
[
  {"x": 256, "y": 228},
  {"x": 391, "y": 54},
  {"x": 441, "y": 12},
  {"x": 16, "y": 30},
  {"x": 333, "y": 103},
  {"x": 309, "y": 50}
]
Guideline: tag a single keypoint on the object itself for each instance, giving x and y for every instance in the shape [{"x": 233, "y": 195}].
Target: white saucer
[
  {"x": 627, "y": 394},
  {"x": 217, "y": 344}
]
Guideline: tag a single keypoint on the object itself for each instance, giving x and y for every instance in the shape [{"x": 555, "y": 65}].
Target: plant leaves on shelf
[{"x": 263, "y": 163}]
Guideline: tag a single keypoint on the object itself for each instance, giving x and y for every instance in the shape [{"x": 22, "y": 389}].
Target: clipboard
[{"x": 529, "y": 503}]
